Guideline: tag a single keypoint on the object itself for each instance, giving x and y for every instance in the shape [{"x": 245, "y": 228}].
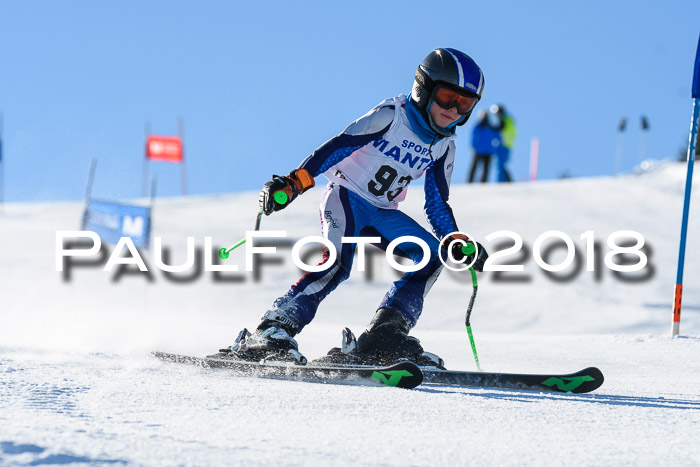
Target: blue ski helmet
[{"x": 449, "y": 68}]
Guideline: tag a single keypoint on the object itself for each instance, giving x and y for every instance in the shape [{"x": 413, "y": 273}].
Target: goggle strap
[{"x": 425, "y": 80}]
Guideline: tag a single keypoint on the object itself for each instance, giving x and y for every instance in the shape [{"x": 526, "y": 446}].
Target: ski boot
[
  {"x": 271, "y": 342},
  {"x": 384, "y": 342}
]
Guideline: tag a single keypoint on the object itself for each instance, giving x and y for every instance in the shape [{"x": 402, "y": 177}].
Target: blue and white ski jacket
[{"x": 379, "y": 154}]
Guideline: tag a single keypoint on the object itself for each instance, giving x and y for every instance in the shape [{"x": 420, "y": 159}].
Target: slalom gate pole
[
  {"x": 692, "y": 146},
  {"x": 620, "y": 146},
  {"x": 88, "y": 193}
]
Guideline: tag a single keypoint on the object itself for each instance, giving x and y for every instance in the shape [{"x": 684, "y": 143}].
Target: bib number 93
[{"x": 383, "y": 181}]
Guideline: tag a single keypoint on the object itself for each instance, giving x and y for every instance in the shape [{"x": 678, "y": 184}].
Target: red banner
[{"x": 164, "y": 148}]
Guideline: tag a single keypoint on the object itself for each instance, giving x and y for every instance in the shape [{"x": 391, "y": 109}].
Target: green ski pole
[
  {"x": 280, "y": 197},
  {"x": 470, "y": 249},
  {"x": 224, "y": 253}
]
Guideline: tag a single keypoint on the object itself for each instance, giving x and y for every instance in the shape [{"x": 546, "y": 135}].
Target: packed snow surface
[{"x": 78, "y": 384}]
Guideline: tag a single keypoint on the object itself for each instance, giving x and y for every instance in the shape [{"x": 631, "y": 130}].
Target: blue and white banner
[{"x": 111, "y": 221}]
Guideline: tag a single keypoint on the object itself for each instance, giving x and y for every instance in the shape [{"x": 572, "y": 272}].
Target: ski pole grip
[
  {"x": 469, "y": 249},
  {"x": 280, "y": 197}
]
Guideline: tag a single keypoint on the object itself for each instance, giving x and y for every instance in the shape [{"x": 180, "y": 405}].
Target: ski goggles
[{"x": 448, "y": 98}]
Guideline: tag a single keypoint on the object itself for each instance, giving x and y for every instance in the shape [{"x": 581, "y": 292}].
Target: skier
[
  {"x": 486, "y": 141},
  {"x": 369, "y": 166}
]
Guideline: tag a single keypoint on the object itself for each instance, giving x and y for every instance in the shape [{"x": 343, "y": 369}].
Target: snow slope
[{"x": 77, "y": 383}]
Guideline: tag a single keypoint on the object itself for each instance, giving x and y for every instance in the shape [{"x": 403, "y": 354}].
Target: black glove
[
  {"x": 280, "y": 191},
  {"x": 462, "y": 249}
]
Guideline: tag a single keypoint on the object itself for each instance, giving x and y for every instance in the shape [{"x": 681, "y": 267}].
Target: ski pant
[
  {"x": 485, "y": 161},
  {"x": 345, "y": 214},
  {"x": 503, "y": 155}
]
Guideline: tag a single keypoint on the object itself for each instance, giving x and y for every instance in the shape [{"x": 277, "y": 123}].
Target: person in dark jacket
[{"x": 486, "y": 141}]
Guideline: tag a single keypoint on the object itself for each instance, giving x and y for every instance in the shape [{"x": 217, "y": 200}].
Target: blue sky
[{"x": 261, "y": 85}]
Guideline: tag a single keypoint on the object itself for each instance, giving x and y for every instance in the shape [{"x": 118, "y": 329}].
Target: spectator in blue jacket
[{"x": 486, "y": 141}]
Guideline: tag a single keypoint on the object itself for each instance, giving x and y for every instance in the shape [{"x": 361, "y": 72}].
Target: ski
[
  {"x": 583, "y": 381},
  {"x": 405, "y": 375}
]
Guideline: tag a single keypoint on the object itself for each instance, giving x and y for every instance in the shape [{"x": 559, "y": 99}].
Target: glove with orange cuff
[
  {"x": 282, "y": 190},
  {"x": 462, "y": 249}
]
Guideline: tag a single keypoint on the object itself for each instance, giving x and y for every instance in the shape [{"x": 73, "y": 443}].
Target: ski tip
[
  {"x": 405, "y": 375},
  {"x": 595, "y": 383},
  {"x": 586, "y": 380}
]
